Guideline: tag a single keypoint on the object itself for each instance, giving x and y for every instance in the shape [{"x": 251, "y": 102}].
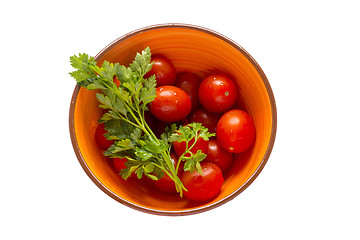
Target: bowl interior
[{"x": 190, "y": 49}]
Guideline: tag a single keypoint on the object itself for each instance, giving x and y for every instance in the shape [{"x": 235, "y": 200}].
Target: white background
[{"x": 309, "y": 188}]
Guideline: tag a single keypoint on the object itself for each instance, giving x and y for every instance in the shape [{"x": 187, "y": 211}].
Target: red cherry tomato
[
  {"x": 100, "y": 139},
  {"x": 217, "y": 93},
  {"x": 189, "y": 82},
  {"x": 200, "y": 144},
  {"x": 164, "y": 71},
  {"x": 235, "y": 131},
  {"x": 203, "y": 187},
  {"x": 151, "y": 121},
  {"x": 206, "y": 118},
  {"x": 160, "y": 128},
  {"x": 116, "y": 81},
  {"x": 219, "y": 156},
  {"x": 119, "y": 164},
  {"x": 171, "y": 104},
  {"x": 166, "y": 184}
]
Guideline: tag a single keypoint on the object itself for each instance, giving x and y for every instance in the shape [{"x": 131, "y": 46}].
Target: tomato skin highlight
[
  {"x": 171, "y": 104},
  {"x": 203, "y": 187},
  {"x": 235, "y": 131},
  {"x": 100, "y": 139},
  {"x": 163, "y": 69},
  {"x": 206, "y": 118},
  {"x": 217, "y": 93},
  {"x": 219, "y": 156},
  {"x": 189, "y": 82}
]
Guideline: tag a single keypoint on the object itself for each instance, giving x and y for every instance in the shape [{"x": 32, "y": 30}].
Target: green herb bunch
[{"x": 124, "y": 119}]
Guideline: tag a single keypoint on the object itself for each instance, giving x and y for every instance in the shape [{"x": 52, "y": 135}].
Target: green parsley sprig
[
  {"x": 190, "y": 134},
  {"x": 125, "y": 122}
]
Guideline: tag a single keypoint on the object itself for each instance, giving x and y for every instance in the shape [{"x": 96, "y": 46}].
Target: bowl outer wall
[{"x": 185, "y": 208}]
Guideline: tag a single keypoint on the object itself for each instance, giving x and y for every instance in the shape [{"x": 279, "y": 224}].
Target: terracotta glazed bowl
[{"x": 193, "y": 49}]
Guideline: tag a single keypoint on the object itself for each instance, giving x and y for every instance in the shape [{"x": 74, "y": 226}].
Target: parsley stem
[
  {"x": 178, "y": 184},
  {"x": 128, "y": 103},
  {"x": 177, "y": 166},
  {"x": 187, "y": 150},
  {"x": 114, "y": 89}
]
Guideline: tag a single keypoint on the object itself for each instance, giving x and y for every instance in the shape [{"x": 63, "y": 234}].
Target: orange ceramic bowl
[{"x": 193, "y": 49}]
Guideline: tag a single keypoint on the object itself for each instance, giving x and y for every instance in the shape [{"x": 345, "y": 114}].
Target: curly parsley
[{"x": 125, "y": 122}]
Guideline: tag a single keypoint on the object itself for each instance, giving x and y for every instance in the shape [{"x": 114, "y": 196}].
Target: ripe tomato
[
  {"x": 200, "y": 144},
  {"x": 100, "y": 139},
  {"x": 119, "y": 164},
  {"x": 150, "y": 120},
  {"x": 219, "y": 156},
  {"x": 235, "y": 131},
  {"x": 203, "y": 187},
  {"x": 171, "y": 104},
  {"x": 217, "y": 93},
  {"x": 206, "y": 118},
  {"x": 116, "y": 81},
  {"x": 189, "y": 82},
  {"x": 166, "y": 184},
  {"x": 164, "y": 71},
  {"x": 160, "y": 126}
]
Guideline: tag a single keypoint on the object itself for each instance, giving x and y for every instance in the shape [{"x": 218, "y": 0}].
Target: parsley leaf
[
  {"x": 124, "y": 118},
  {"x": 188, "y": 133},
  {"x": 142, "y": 63}
]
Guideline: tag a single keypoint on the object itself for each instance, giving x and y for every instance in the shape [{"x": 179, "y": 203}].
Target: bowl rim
[{"x": 201, "y": 208}]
